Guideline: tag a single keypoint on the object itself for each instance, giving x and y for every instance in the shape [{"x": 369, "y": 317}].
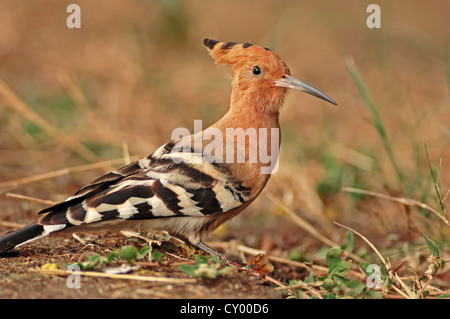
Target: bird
[{"x": 186, "y": 187}]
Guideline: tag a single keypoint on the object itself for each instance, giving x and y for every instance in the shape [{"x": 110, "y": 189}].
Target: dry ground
[
  {"x": 137, "y": 69},
  {"x": 22, "y": 276}
]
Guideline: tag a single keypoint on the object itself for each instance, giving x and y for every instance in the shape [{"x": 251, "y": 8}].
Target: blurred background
[{"x": 136, "y": 70}]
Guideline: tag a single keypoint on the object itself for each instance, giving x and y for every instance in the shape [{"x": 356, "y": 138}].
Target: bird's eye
[{"x": 256, "y": 70}]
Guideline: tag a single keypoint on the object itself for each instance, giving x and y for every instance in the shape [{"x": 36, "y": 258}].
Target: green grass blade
[
  {"x": 435, "y": 181},
  {"x": 377, "y": 121}
]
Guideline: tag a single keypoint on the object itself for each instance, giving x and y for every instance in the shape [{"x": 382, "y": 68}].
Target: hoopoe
[{"x": 178, "y": 188}]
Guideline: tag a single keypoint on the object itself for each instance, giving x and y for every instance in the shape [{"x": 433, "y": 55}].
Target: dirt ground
[{"x": 22, "y": 275}]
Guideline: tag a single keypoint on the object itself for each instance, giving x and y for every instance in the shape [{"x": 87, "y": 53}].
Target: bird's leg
[{"x": 201, "y": 245}]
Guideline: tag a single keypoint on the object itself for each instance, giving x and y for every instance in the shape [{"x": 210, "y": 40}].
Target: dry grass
[{"x": 76, "y": 103}]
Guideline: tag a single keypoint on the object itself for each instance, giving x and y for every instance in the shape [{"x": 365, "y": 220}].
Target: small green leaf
[
  {"x": 93, "y": 258},
  {"x": 203, "y": 269},
  {"x": 145, "y": 251},
  {"x": 110, "y": 257},
  {"x": 157, "y": 256},
  {"x": 333, "y": 259},
  {"x": 329, "y": 284},
  {"x": 433, "y": 248},
  {"x": 293, "y": 282},
  {"x": 310, "y": 278},
  {"x": 363, "y": 266},
  {"x": 224, "y": 270},
  {"x": 342, "y": 268},
  {"x": 215, "y": 259},
  {"x": 341, "y": 278},
  {"x": 128, "y": 253},
  {"x": 356, "y": 288},
  {"x": 188, "y": 269},
  {"x": 330, "y": 295},
  {"x": 374, "y": 294},
  {"x": 295, "y": 254},
  {"x": 200, "y": 259}
]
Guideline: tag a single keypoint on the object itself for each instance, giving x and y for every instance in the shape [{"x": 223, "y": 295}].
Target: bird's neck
[
  {"x": 248, "y": 110},
  {"x": 246, "y": 118},
  {"x": 256, "y": 136}
]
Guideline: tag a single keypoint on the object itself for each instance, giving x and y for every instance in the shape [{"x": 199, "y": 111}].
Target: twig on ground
[
  {"x": 12, "y": 224},
  {"x": 401, "y": 200},
  {"x": 368, "y": 242},
  {"x": 176, "y": 281},
  {"x": 305, "y": 225},
  {"x": 300, "y": 221},
  {"x": 64, "y": 171},
  {"x": 79, "y": 239},
  {"x": 31, "y": 199}
]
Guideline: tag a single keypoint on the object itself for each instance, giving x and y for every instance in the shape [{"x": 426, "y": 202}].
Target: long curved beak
[{"x": 290, "y": 82}]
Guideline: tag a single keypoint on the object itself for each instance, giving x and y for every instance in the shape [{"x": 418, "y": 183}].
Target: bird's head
[{"x": 260, "y": 76}]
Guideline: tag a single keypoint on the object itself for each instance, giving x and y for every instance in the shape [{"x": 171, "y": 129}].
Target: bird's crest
[{"x": 234, "y": 55}]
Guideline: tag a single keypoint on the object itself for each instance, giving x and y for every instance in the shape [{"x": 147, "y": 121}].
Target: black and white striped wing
[{"x": 153, "y": 188}]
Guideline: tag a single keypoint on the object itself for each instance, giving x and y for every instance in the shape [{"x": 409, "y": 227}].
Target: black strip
[
  {"x": 246, "y": 45},
  {"x": 168, "y": 146},
  {"x": 168, "y": 165},
  {"x": 210, "y": 43},
  {"x": 228, "y": 45},
  {"x": 12, "y": 239},
  {"x": 121, "y": 196},
  {"x": 111, "y": 214},
  {"x": 128, "y": 169},
  {"x": 206, "y": 199},
  {"x": 96, "y": 186},
  {"x": 54, "y": 218},
  {"x": 144, "y": 212},
  {"x": 76, "y": 212},
  {"x": 169, "y": 198},
  {"x": 237, "y": 191}
]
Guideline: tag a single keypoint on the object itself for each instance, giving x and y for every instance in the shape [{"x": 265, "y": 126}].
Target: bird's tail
[{"x": 22, "y": 236}]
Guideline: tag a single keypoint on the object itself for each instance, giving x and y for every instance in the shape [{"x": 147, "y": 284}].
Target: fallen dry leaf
[{"x": 260, "y": 263}]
